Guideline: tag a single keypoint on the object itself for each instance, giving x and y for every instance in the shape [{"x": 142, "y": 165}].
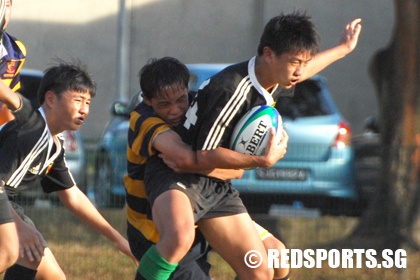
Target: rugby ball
[{"x": 252, "y": 132}]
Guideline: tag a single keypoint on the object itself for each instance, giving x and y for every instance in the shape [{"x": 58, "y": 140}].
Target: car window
[{"x": 309, "y": 100}]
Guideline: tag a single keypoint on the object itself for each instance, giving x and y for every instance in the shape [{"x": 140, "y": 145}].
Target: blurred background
[{"x": 116, "y": 38}]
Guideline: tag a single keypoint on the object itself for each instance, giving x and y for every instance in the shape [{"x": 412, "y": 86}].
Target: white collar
[
  {"x": 251, "y": 72},
  {"x": 52, "y": 141}
]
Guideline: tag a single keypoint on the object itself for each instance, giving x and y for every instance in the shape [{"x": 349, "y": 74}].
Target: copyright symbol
[{"x": 253, "y": 259}]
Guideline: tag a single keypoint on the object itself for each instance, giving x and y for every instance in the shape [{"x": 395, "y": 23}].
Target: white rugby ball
[{"x": 252, "y": 133}]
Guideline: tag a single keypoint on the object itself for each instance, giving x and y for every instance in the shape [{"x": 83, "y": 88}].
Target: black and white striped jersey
[
  {"x": 30, "y": 154},
  {"x": 221, "y": 101}
]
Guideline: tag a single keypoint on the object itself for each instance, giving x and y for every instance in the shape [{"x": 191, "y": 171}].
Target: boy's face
[
  {"x": 170, "y": 104},
  {"x": 70, "y": 110},
  {"x": 287, "y": 68}
]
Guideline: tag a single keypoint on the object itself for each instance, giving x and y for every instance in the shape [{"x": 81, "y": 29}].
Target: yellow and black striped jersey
[{"x": 145, "y": 125}]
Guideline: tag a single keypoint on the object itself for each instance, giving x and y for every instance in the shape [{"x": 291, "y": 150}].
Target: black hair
[
  {"x": 64, "y": 77},
  {"x": 158, "y": 74},
  {"x": 290, "y": 33}
]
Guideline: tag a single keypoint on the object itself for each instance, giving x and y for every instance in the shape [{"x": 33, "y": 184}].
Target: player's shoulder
[
  {"x": 143, "y": 110},
  {"x": 238, "y": 69},
  {"x": 227, "y": 80},
  {"x": 144, "y": 118},
  {"x": 27, "y": 112}
]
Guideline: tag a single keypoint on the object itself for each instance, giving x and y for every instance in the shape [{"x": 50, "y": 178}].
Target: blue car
[
  {"x": 319, "y": 162},
  {"x": 319, "y": 166}
]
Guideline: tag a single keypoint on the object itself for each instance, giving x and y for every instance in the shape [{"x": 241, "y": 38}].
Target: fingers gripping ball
[{"x": 251, "y": 134}]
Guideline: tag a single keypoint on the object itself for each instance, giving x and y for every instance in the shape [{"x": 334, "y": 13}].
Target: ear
[
  {"x": 147, "y": 100},
  {"x": 50, "y": 98},
  {"x": 268, "y": 53}
]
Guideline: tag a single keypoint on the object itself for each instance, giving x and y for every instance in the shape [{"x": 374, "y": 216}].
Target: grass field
[{"x": 84, "y": 255}]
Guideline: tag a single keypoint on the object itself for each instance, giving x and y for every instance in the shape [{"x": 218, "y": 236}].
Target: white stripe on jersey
[
  {"x": 20, "y": 172},
  {"x": 229, "y": 111}
]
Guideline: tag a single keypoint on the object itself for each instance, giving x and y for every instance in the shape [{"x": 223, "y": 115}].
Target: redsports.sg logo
[{"x": 318, "y": 258}]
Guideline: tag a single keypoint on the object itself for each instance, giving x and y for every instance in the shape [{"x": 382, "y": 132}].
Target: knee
[
  {"x": 182, "y": 239},
  {"x": 8, "y": 258},
  {"x": 12, "y": 257},
  {"x": 175, "y": 245},
  {"x": 274, "y": 243},
  {"x": 262, "y": 273},
  {"x": 53, "y": 273},
  {"x": 49, "y": 269}
]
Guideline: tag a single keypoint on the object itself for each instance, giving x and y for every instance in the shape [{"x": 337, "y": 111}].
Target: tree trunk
[{"x": 392, "y": 218}]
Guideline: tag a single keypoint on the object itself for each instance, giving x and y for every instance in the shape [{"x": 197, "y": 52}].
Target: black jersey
[
  {"x": 221, "y": 101},
  {"x": 30, "y": 154}
]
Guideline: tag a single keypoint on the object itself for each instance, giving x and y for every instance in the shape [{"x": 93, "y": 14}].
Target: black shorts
[
  {"x": 5, "y": 213},
  {"x": 209, "y": 197},
  {"x": 21, "y": 213},
  {"x": 193, "y": 266}
]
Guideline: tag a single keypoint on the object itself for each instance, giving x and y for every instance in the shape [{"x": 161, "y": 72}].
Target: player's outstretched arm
[
  {"x": 347, "y": 43},
  {"x": 77, "y": 202}
]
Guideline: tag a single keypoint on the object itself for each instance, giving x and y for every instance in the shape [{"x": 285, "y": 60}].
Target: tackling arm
[{"x": 181, "y": 158}]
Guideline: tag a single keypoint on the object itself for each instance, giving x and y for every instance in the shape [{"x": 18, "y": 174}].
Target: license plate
[{"x": 281, "y": 174}]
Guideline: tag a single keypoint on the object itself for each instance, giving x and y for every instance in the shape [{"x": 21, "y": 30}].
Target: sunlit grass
[{"x": 85, "y": 255}]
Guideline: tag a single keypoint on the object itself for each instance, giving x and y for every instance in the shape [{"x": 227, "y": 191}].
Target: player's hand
[
  {"x": 275, "y": 151},
  {"x": 30, "y": 242},
  {"x": 122, "y": 245},
  {"x": 350, "y": 35}
]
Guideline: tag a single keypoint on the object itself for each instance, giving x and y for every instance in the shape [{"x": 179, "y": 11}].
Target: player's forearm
[
  {"x": 228, "y": 159},
  {"x": 175, "y": 151},
  {"x": 348, "y": 42},
  {"x": 77, "y": 203},
  {"x": 323, "y": 59},
  {"x": 226, "y": 174}
]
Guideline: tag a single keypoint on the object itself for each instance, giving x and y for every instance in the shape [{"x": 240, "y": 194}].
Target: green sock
[{"x": 154, "y": 267}]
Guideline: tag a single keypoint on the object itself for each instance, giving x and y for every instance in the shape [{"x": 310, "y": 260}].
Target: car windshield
[{"x": 308, "y": 101}]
